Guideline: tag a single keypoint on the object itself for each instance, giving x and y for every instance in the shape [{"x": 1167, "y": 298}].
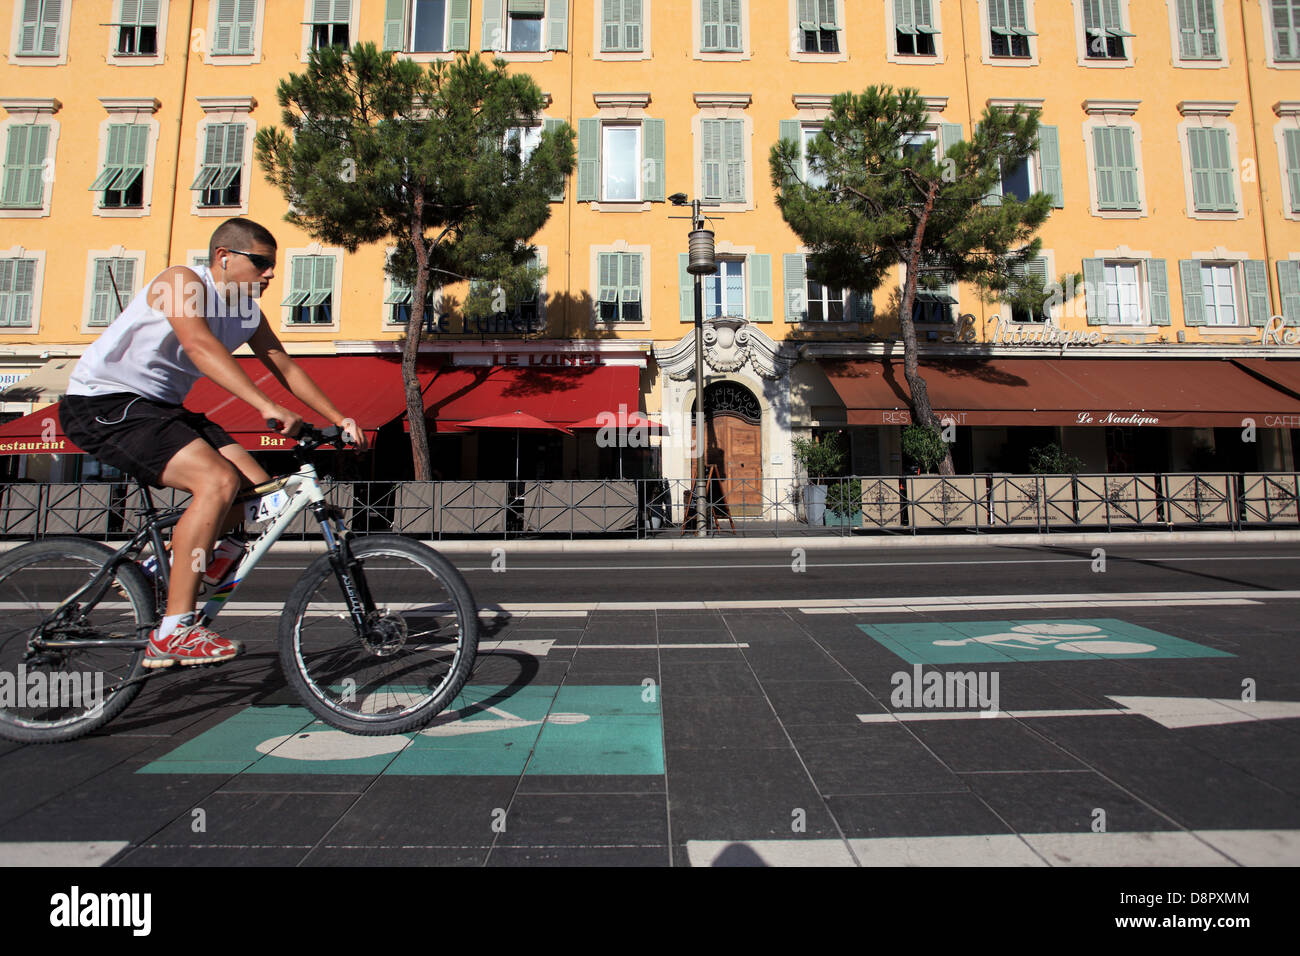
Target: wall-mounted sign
[
  {"x": 1277, "y": 332},
  {"x": 1016, "y": 333},
  {"x": 532, "y": 359}
]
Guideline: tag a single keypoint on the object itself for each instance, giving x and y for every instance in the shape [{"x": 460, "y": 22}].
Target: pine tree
[
  {"x": 379, "y": 148},
  {"x": 883, "y": 202}
]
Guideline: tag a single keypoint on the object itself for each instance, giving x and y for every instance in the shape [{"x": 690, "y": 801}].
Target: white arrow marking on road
[{"x": 1172, "y": 712}]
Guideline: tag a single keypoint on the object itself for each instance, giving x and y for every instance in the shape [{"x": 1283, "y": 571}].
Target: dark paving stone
[
  {"x": 888, "y": 761},
  {"x": 999, "y": 744},
  {"x": 613, "y": 678},
  {"x": 819, "y": 702},
  {"x": 618, "y": 783},
  {"x": 719, "y": 679},
  {"x": 689, "y": 620},
  {"x": 580, "y": 856},
  {"x": 425, "y": 811},
  {"x": 298, "y": 783},
  {"x": 789, "y": 664},
  {"x": 772, "y": 805},
  {"x": 702, "y": 723},
  {"x": 588, "y": 660},
  {"x": 734, "y": 760},
  {"x": 670, "y": 654},
  {"x": 1279, "y": 772},
  {"x": 586, "y": 819},
  {"x": 619, "y": 635},
  {"x": 395, "y": 856},
  {"x": 510, "y": 671},
  {"x": 913, "y": 815},
  {"x": 258, "y": 819},
  {"x": 1063, "y": 802},
  {"x": 193, "y": 856},
  {"x": 683, "y": 636},
  {"x": 34, "y": 774}
]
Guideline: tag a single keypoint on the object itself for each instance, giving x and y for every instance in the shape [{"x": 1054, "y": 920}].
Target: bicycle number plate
[{"x": 266, "y": 507}]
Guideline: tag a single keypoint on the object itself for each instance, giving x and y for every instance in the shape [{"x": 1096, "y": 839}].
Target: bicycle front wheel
[
  {"x": 61, "y": 677},
  {"x": 416, "y": 651}
]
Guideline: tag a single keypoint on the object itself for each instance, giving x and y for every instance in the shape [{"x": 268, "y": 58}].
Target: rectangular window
[
  {"x": 619, "y": 292},
  {"x": 621, "y": 163},
  {"x": 522, "y": 140},
  {"x": 311, "y": 291},
  {"x": 23, "y": 186},
  {"x": 934, "y": 303},
  {"x": 620, "y": 26},
  {"x": 914, "y": 28},
  {"x": 40, "y": 28},
  {"x": 330, "y": 23},
  {"x": 724, "y": 160},
  {"x": 724, "y": 291},
  {"x": 816, "y": 178},
  {"x": 137, "y": 28},
  {"x": 236, "y": 28},
  {"x": 819, "y": 30},
  {"x": 1104, "y": 31},
  {"x": 921, "y": 144},
  {"x": 524, "y": 25},
  {"x": 1123, "y": 289},
  {"x": 1198, "y": 34},
  {"x": 720, "y": 29},
  {"x": 1117, "y": 174},
  {"x": 825, "y": 303},
  {"x": 1219, "y": 290},
  {"x": 1032, "y": 273},
  {"x": 17, "y": 285},
  {"x": 113, "y": 289},
  {"x": 223, "y": 162},
  {"x": 429, "y": 26},
  {"x": 1286, "y": 30},
  {"x": 399, "y": 300},
  {"x": 1212, "y": 171},
  {"x": 1009, "y": 31},
  {"x": 122, "y": 178},
  {"x": 1018, "y": 180},
  {"x": 1291, "y": 140}
]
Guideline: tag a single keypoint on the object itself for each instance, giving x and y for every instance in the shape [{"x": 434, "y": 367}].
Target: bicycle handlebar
[{"x": 309, "y": 436}]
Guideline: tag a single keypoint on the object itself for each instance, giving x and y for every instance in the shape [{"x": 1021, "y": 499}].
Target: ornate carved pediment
[{"x": 729, "y": 345}]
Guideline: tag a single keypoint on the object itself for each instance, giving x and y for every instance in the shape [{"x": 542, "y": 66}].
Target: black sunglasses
[{"x": 262, "y": 262}]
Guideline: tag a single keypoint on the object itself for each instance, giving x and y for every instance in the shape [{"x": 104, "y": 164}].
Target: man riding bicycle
[{"x": 124, "y": 406}]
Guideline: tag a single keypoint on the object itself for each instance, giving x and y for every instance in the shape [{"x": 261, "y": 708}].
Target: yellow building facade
[{"x": 1171, "y": 143}]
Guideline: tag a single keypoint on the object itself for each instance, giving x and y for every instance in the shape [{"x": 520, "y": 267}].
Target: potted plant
[
  {"x": 844, "y": 503},
  {"x": 819, "y": 459},
  {"x": 923, "y": 446}
]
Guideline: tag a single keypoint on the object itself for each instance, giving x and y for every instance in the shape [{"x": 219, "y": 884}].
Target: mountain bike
[{"x": 377, "y": 636}]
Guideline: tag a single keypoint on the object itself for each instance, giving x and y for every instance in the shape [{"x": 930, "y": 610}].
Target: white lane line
[
  {"x": 72, "y": 853},
  {"x": 878, "y": 564},
  {"x": 637, "y": 647},
  {"x": 1027, "y": 605},
  {"x": 909, "y": 716}
]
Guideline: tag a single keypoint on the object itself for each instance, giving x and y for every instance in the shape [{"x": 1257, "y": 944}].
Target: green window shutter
[
  {"x": 759, "y": 268},
  {"x": 1126, "y": 159},
  {"x": 1116, "y": 161},
  {"x": 1104, "y": 159},
  {"x": 903, "y": 19},
  {"x": 791, "y": 130},
  {"x": 611, "y": 25},
  {"x": 949, "y": 136},
  {"x": 861, "y": 308},
  {"x": 114, "y": 157},
  {"x": 1257, "y": 291},
  {"x": 31, "y": 27},
  {"x": 1049, "y": 164},
  {"x": 101, "y": 293},
  {"x": 300, "y": 285},
  {"x": 1113, "y": 22},
  {"x": 711, "y": 24},
  {"x": 711, "y": 158},
  {"x": 998, "y": 21},
  {"x": 1285, "y": 29},
  {"x": 1019, "y": 18},
  {"x": 557, "y": 24},
  {"x": 1158, "y": 291},
  {"x": 223, "y": 41},
  {"x": 630, "y": 287},
  {"x": 588, "y": 160},
  {"x": 550, "y": 126},
  {"x": 51, "y": 13},
  {"x": 20, "y": 315},
  {"x": 685, "y": 289},
  {"x": 458, "y": 33},
  {"x": 807, "y": 14},
  {"x": 213, "y": 154},
  {"x": 607, "y": 285},
  {"x": 1092, "y": 22},
  {"x": 828, "y": 18},
  {"x": 24, "y": 169},
  {"x": 1209, "y": 30},
  {"x": 924, "y": 20},
  {"x": 1292, "y": 143},
  {"x": 1094, "y": 280},
  {"x": 654, "y": 155},
  {"x": 494, "y": 25},
  {"x": 6, "y": 289},
  {"x": 733, "y": 154},
  {"x": 1212, "y": 174},
  {"x": 1224, "y": 172},
  {"x": 322, "y": 280},
  {"x": 105, "y": 301},
  {"x": 136, "y": 141},
  {"x": 232, "y": 159},
  {"x": 731, "y": 25},
  {"x": 1288, "y": 283},
  {"x": 245, "y": 27},
  {"x": 1189, "y": 274},
  {"x": 1188, "y": 39},
  {"x": 794, "y": 269},
  {"x": 395, "y": 24},
  {"x": 632, "y": 25}
]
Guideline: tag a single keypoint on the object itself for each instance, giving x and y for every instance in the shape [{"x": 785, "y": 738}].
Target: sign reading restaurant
[{"x": 1275, "y": 332}]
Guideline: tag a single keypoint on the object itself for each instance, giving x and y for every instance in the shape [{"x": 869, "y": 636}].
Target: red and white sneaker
[{"x": 189, "y": 644}]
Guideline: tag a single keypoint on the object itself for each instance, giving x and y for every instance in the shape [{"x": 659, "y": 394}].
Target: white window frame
[
  {"x": 891, "y": 37},
  {"x": 26, "y": 111},
  {"x": 336, "y": 294},
  {"x": 1139, "y": 286},
  {"x": 621, "y": 247},
  {"x": 986, "y": 33},
  {"x": 724, "y": 106},
  {"x": 38, "y": 280},
  {"x": 808, "y": 131},
  {"x": 354, "y": 19},
  {"x": 746, "y": 50},
  {"x": 797, "y": 52},
  {"x": 1081, "y": 39},
  {"x": 606, "y": 127},
  {"x": 1004, "y": 312},
  {"x": 133, "y": 111},
  {"x": 235, "y": 59},
  {"x": 1266, "y": 11},
  {"x": 88, "y": 300},
  {"x": 117, "y": 59},
  {"x": 1113, "y": 113},
  {"x": 219, "y": 110},
  {"x": 1222, "y": 256},
  {"x": 598, "y": 37},
  {"x": 529, "y": 140},
  {"x": 509, "y": 23},
  {"x": 540, "y": 256},
  {"x": 1210, "y": 115},
  {"x": 59, "y": 58},
  {"x": 1238, "y": 299},
  {"x": 720, "y": 285},
  {"x": 1218, "y": 63},
  {"x": 951, "y": 288},
  {"x": 386, "y": 323},
  {"x": 1288, "y": 113},
  {"x": 825, "y": 301}
]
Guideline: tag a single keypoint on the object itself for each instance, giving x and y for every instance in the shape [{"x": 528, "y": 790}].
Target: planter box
[
  {"x": 1017, "y": 500},
  {"x": 936, "y": 502},
  {"x": 814, "y": 503},
  {"x": 1270, "y": 498},
  {"x": 470, "y": 507},
  {"x": 834, "y": 519},
  {"x": 882, "y": 503},
  {"x": 1199, "y": 499},
  {"x": 579, "y": 506},
  {"x": 1127, "y": 499}
]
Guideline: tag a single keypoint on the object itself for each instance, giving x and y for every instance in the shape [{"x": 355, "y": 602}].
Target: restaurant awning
[
  {"x": 1280, "y": 373},
  {"x": 561, "y": 397},
  {"x": 47, "y": 384},
  {"x": 1179, "y": 393},
  {"x": 367, "y": 388}
]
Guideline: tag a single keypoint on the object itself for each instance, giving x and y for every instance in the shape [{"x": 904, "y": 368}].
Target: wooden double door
[{"x": 733, "y": 447}]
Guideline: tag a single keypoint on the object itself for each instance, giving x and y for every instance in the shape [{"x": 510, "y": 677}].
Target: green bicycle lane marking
[
  {"x": 488, "y": 731},
  {"x": 979, "y": 642}
]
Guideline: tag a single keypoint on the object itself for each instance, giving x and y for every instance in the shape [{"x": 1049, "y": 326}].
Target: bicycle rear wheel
[
  {"x": 62, "y": 692},
  {"x": 417, "y": 651}
]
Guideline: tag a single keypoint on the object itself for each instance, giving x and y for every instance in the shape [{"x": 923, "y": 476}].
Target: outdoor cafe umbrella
[
  {"x": 624, "y": 422},
  {"x": 519, "y": 421}
]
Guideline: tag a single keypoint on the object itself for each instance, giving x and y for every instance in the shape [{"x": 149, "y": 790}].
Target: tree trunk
[
  {"x": 411, "y": 348},
  {"x": 922, "y": 410}
]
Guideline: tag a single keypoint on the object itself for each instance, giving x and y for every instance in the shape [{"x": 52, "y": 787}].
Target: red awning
[
  {"x": 558, "y": 396},
  {"x": 1180, "y": 393},
  {"x": 367, "y": 388},
  {"x": 1280, "y": 373}
]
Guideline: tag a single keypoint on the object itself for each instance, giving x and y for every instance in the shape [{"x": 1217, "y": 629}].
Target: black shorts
[{"x": 134, "y": 434}]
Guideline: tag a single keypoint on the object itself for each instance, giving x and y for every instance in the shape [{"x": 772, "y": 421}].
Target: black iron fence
[{"x": 656, "y": 508}]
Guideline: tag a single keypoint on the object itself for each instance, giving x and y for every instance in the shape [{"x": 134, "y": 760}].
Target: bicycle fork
[{"x": 347, "y": 569}]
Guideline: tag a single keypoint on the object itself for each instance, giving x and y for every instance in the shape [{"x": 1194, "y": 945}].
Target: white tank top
[{"x": 139, "y": 352}]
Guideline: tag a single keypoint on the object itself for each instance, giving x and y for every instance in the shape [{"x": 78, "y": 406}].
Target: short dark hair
[{"x": 237, "y": 233}]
